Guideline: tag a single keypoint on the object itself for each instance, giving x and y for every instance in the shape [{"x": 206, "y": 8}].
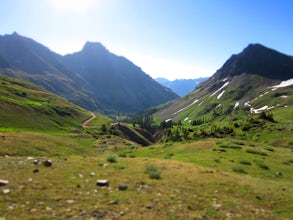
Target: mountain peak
[
  {"x": 259, "y": 60},
  {"x": 93, "y": 47}
]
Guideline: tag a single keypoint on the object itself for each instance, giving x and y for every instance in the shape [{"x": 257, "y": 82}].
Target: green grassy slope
[
  {"x": 204, "y": 113},
  {"x": 26, "y": 106}
]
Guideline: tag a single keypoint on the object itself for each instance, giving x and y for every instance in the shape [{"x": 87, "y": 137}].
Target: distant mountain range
[
  {"x": 181, "y": 86},
  {"x": 257, "y": 79},
  {"x": 93, "y": 78}
]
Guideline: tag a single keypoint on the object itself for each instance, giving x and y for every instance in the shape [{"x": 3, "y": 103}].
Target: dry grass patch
[{"x": 185, "y": 191}]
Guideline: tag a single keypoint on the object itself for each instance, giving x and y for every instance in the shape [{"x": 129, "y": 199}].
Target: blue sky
[{"x": 166, "y": 38}]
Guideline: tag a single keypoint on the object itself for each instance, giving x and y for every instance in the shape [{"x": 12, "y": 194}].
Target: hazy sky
[{"x": 166, "y": 38}]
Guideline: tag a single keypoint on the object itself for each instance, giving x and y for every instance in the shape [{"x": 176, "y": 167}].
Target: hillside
[
  {"x": 115, "y": 81},
  {"x": 26, "y": 59},
  {"x": 181, "y": 86},
  {"x": 93, "y": 78},
  {"x": 25, "y": 106},
  {"x": 257, "y": 80}
]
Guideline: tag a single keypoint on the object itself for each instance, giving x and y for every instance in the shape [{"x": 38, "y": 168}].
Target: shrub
[
  {"x": 239, "y": 170},
  {"x": 238, "y": 142},
  {"x": 122, "y": 154},
  {"x": 245, "y": 162},
  {"x": 230, "y": 145},
  {"x": 256, "y": 152},
  {"x": 217, "y": 160},
  {"x": 153, "y": 172},
  {"x": 111, "y": 159},
  {"x": 268, "y": 148},
  {"x": 261, "y": 164},
  {"x": 169, "y": 155}
]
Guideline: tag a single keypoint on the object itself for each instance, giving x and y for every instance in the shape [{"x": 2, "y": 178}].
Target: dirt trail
[{"x": 84, "y": 124}]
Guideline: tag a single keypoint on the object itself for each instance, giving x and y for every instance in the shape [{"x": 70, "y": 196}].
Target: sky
[{"x": 174, "y": 39}]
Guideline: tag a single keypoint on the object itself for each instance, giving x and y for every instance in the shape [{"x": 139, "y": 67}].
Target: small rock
[
  {"x": 3, "y": 182},
  {"x": 70, "y": 201},
  {"x": 6, "y": 156},
  {"x": 122, "y": 187},
  {"x": 48, "y": 163},
  {"x": 30, "y": 158},
  {"x": 258, "y": 197},
  {"x": 105, "y": 165},
  {"x": 36, "y": 170},
  {"x": 6, "y": 191},
  {"x": 36, "y": 162},
  {"x": 92, "y": 174},
  {"x": 102, "y": 183},
  {"x": 150, "y": 206},
  {"x": 114, "y": 202}
]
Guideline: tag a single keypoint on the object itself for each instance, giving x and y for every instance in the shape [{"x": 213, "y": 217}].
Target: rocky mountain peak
[
  {"x": 259, "y": 60},
  {"x": 94, "y": 48}
]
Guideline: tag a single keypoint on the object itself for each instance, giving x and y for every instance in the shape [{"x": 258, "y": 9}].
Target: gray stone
[
  {"x": 48, "y": 163},
  {"x": 36, "y": 161},
  {"x": 102, "y": 183},
  {"x": 122, "y": 187},
  {"x": 3, "y": 182}
]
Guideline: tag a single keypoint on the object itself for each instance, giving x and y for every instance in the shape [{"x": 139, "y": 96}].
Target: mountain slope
[
  {"x": 93, "y": 78},
  {"x": 181, "y": 86},
  {"x": 26, "y": 59},
  {"x": 244, "y": 82},
  {"x": 115, "y": 81},
  {"x": 26, "y": 106}
]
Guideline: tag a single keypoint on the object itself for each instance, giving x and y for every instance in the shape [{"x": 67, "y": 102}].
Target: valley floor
[{"x": 195, "y": 180}]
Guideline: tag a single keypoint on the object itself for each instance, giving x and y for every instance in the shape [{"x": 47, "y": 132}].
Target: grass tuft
[
  {"x": 111, "y": 159},
  {"x": 153, "y": 172}
]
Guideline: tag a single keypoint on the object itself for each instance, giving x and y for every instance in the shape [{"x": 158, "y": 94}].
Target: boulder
[
  {"x": 102, "y": 183},
  {"x": 6, "y": 191},
  {"x": 3, "y": 182},
  {"x": 48, "y": 163},
  {"x": 122, "y": 187}
]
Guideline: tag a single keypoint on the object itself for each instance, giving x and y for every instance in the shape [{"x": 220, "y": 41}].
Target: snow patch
[
  {"x": 226, "y": 84},
  {"x": 220, "y": 95},
  {"x": 236, "y": 104},
  {"x": 200, "y": 103},
  {"x": 259, "y": 110},
  {"x": 264, "y": 94},
  {"x": 185, "y": 119},
  {"x": 195, "y": 101},
  {"x": 167, "y": 120},
  {"x": 285, "y": 83},
  {"x": 247, "y": 104},
  {"x": 284, "y": 96}
]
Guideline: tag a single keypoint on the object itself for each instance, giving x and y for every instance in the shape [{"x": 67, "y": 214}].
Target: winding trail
[{"x": 84, "y": 124}]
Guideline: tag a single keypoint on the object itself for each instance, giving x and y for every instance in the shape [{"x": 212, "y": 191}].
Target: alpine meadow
[{"x": 90, "y": 135}]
